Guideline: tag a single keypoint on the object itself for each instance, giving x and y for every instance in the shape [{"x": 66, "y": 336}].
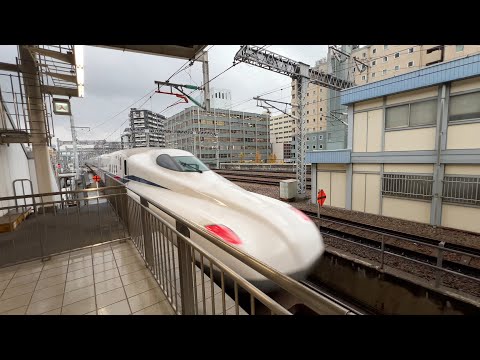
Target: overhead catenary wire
[{"x": 329, "y": 98}]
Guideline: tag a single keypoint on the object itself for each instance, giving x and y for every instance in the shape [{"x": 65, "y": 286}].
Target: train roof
[{"x": 135, "y": 151}]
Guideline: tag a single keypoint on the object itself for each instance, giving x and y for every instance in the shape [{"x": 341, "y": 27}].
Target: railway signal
[
  {"x": 96, "y": 178},
  {"x": 321, "y": 197}
]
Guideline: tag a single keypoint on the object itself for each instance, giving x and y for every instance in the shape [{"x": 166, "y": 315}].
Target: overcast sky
[{"x": 114, "y": 80}]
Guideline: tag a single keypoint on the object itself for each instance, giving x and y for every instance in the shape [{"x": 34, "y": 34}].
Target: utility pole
[
  {"x": 206, "y": 81},
  {"x": 217, "y": 151}
]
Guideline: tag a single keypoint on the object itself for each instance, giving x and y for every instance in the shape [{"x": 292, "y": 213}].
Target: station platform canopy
[{"x": 178, "y": 51}]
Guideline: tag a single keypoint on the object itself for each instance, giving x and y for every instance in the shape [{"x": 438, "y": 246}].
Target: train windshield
[
  {"x": 182, "y": 163},
  {"x": 190, "y": 163}
]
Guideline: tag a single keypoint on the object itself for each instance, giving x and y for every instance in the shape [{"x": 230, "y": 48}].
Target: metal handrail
[
  {"x": 273, "y": 305},
  {"x": 310, "y": 298}
]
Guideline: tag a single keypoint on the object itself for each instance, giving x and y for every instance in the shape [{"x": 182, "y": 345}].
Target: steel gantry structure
[{"x": 303, "y": 74}]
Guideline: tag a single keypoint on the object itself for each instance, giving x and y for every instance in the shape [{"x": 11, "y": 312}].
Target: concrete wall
[
  {"x": 412, "y": 96},
  {"x": 408, "y": 168},
  {"x": 332, "y": 179},
  {"x": 463, "y": 136},
  {"x": 462, "y": 170},
  {"x": 410, "y": 140},
  {"x": 461, "y": 217},
  {"x": 413, "y": 210},
  {"x": 366, "y": 188}
]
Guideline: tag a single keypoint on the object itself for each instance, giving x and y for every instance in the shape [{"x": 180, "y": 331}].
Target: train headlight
[{"x": 225, "y": 233}]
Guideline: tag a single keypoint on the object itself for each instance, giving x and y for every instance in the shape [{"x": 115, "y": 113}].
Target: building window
[
  {"x": 308, "y": 138},
  {"x": 320, "y": 137},
  {"x": 397, "y": 55},
  {"x": 385, "y": 47},
  {"x": 293, "y": 96},
  {"x": 461, "y": 189},
  {"x": 464, "y": 107},
  {"x": 410, "y": 64},
  {"x": 293, "y": 112},
  {"x": 385, "y": 58},
  {"x": 308, "y": 94},
  {"x": 459, "y": 48},
  {"x": 308, "y": 147},
  {"x": 314, "y": 138},
  {"x": 313, "y": 120},
  {"x": 397, "y": 67},
  {"x": 373, "y": 75},
  {"x": 321, "y": 109},
  {"x": 410, "y": 50},
  {"x": 411, "y": 115},
  {"x": 314, "y": 147},
  {"x": 320, "y": 146},
  {"x": 409, "y": 186},
  {"x": 308, "y": 112},
  {"x": 364, "y": 77},
  {"x": 384, "y": 72},
  {"x": 364, "y": 54},
  {"x": 374, "y": 62},
  {"x": 374, "y": 51}
]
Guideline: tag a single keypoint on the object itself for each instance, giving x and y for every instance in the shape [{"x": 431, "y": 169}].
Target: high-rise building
[
  {"x": 385, "y": 61},
  {"x": 323, "y": 110},
  {"x": 240, "y": 136},
  {"x": 282, "y": 129},
  {"x": 146, "y": 129}
]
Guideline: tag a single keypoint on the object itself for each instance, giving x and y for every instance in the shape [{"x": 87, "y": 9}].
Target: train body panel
[{"x": 270, "y": 230}]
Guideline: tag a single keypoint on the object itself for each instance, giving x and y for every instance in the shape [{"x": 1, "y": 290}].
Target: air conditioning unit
[{"x": 288, "y": 189}]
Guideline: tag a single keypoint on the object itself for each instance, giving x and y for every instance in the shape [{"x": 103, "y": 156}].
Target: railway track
[
  {"x": 414, "y": 248},
  {"x": 257, "y": 179}
]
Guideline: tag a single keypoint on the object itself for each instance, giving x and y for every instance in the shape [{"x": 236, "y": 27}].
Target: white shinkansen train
[{"x": 270, "y": 230}]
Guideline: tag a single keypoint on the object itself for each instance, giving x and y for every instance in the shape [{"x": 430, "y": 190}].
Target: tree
[
  {"x": 274, "y": 158},
  {"x": 258, "y": 157},
  {"x": 242, "y": 157}
]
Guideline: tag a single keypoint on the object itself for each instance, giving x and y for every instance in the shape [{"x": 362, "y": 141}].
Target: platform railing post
[
  {"x": 185, "y": 262},
  {"x": 383, "y": 253},
  {"x": 147, "y": 234},
  {"x": 438, "y": 274}
]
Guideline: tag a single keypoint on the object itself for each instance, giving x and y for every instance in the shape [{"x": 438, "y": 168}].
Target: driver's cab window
[
  {"x": 181, "y": 163},
  {"x": 167, "y": 162}
]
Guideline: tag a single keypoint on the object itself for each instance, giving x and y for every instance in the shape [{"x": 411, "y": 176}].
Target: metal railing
[
  {"x": 193, "y": 279},
  {"x": 407, "y": 185},
  {"x": 442, "y": 253},
  {"x": 461, "y": 189},
  {"x": 51, "y": 223}
]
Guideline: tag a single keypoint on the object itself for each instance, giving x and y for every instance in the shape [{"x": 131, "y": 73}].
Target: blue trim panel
[
  {"x": 329, "y": 157},
  {"x": 433, "y": 75}
]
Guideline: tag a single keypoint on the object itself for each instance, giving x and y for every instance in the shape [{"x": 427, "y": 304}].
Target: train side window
[
  {"x": 125, "y": 167},
  {"x": 167, "y": 162}
]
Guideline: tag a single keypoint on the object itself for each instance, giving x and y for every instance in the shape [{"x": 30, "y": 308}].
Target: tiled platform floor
[{"x": 108, "y": 279}]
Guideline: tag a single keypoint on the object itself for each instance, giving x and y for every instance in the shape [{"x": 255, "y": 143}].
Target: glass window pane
[
  {"x": 463, "y": 107},
  {"x": 423, "y": 113},
  {"x": 167, "y": 162},
  {"x": 397, "y": 117}
]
